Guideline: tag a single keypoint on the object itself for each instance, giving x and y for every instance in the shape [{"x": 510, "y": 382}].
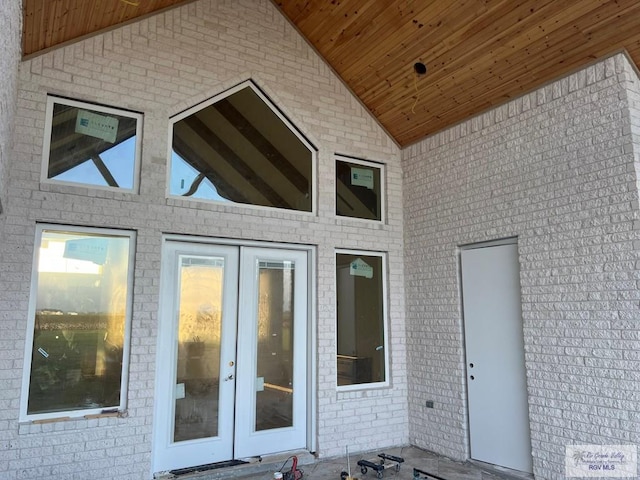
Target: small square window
[
  {"x": 76, "y": 360},
  {"x": 359, "y": 192},
  {"x": 361, "y": 312},
  {"x": 91, "y": 145}
]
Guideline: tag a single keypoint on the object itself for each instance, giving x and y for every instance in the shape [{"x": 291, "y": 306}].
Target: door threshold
[
  {"x": 238, "y": 468},
  {"x": 205, "y": 468},
  {"x": 504, "y": 473}
]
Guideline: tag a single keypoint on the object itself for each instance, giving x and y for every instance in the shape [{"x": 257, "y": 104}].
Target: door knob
[{"x": 228, "y": 377}]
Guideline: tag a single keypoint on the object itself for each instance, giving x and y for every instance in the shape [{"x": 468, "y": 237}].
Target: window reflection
[
  {"x": 239, "y": 150},
  {"x": 360, "y": 319},
  {"x": 199, "y": 336},
  {"x": 358, "y": 190},
  {"x": 80, "y": 318},
  {"x": 92, "y": 145},
  {"x": 274, "y": 397}
]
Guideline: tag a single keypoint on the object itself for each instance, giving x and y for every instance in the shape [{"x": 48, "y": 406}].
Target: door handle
[{"x": 228, "y": 377}]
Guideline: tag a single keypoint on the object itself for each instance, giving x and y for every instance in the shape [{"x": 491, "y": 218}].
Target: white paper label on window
[
  {"x": 95, "y": 125},
  {"x": 360, "y": 268},
  {"x": 362, "y": 177},
  {"x": 180, "y": 392},
  {"x": 259, "y": 384},
  {"x": 89, "y": 249}
]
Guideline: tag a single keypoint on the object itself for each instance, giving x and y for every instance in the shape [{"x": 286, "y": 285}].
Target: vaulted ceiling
[{"x": 477, "y": 53}]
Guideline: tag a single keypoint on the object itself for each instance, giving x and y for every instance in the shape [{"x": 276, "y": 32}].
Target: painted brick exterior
[
  {"x": 10, "y": 31},
  {"x": 558, "y": 169},
  {"x": 160, "y": 66}
]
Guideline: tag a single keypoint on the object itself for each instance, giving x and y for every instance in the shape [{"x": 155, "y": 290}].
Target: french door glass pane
[
  {"x": 198, "y": 364},
  {"x": 274, "y": 386}
]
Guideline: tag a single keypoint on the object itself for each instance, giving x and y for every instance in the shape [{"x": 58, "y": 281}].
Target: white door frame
[{"x": 311, "y": 337}]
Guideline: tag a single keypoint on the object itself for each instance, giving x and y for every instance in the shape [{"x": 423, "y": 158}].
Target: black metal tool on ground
[
  {"x": 427, "y": 476},
  {"x": 379, "y": 466}
]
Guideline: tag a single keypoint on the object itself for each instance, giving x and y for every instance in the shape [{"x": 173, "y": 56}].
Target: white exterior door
[
  {"x": 230, "y": 383},
  {"x": 496, "y": 376},
  {"x": 272, "y": 337}
]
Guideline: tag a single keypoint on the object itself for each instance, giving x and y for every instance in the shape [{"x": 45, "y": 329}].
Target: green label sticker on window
[
  {"x": 360, "y": 268},
  {"x": 362, "y": 177},
  {"x": 95, "y": 125}
]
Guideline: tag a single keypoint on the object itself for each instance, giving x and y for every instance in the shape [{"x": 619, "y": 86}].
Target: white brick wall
[
  {"x": 10, "y": 30},
  {"x": 633, "y": 95},
  {"x": 556, "y": 168},
  {"x": 160, "y": 66}
]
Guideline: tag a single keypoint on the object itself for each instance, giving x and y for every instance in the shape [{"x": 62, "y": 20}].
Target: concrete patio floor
[{"x": 330, "y": 469}]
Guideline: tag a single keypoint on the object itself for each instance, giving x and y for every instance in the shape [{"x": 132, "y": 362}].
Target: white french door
[{"x": 232, "y": 354}]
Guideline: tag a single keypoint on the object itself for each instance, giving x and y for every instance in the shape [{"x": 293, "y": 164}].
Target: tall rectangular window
[
  {"x": 76, "y": 359},
  {"x": 91, "y": 145},
  {"x": 361, "y": 312},
  {"x": 359, "y": 189}
]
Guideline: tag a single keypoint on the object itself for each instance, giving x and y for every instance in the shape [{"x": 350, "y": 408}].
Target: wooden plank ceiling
[{"x": 478, "y": 53}]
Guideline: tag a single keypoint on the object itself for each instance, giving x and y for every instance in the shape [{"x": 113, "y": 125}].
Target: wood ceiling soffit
[
  {"x": 529, "y": 61},
  {"x": 52, "y": 23},
  {"x": 508, "y": 65},
  {"x": 478, "y": 54}
]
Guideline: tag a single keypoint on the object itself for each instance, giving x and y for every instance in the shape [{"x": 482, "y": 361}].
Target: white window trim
[
  {"x": 28, "y": 348},
  {"x": 383, "y": 187},
  {"x": 51, "y": 100},
  {"x": 385, "y": 321},
  {"x": 196, "y": 108}
]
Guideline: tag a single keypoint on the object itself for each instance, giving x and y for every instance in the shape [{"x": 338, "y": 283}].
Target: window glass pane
[
  {"x": 80, "y": 317},
  {"x": 238, "y": 150},
  {"x": 199, "y": 333},
  {"x": 358, "y": 190},
  {"x": 91, "y": 146},
  {"x": 274, "y": 363},
  {"x": 360, "y": 323}
]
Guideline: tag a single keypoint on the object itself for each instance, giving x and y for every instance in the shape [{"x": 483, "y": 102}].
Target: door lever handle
[{"x": 228, "y": 377}]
